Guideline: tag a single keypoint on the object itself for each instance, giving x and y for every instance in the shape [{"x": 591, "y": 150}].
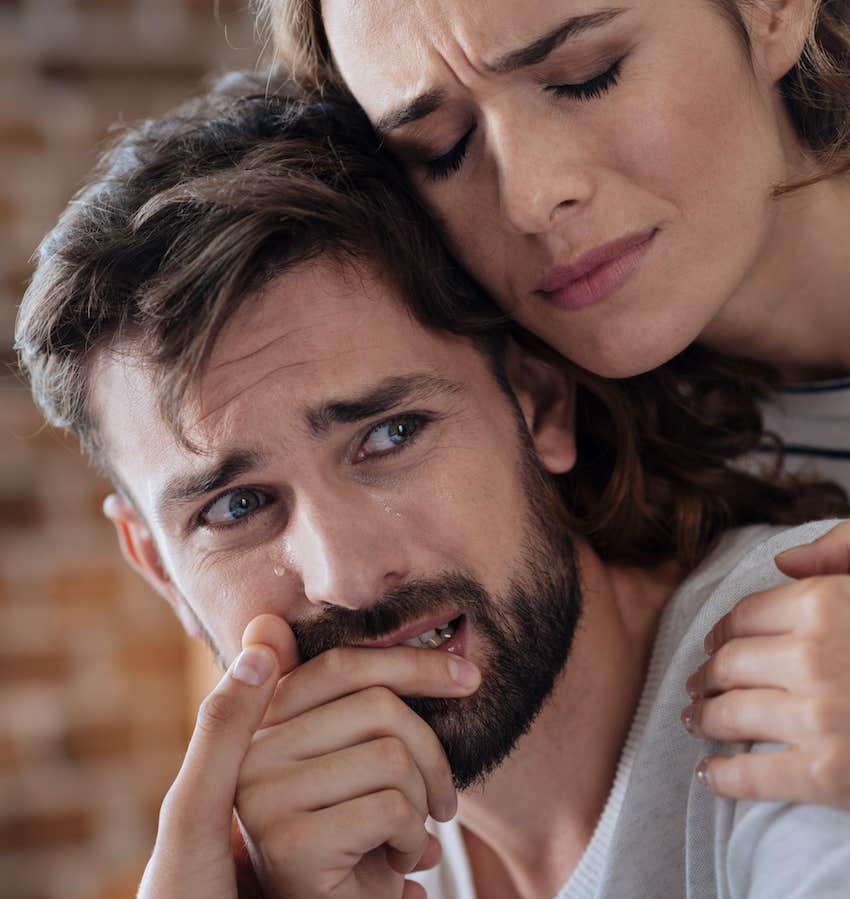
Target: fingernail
[
  {"x": 687, "y": 717},
  {"x": 702, "y": 774},
  {"x": 254, "y": 665},
  {"x": 463, "y": 672},
  {"x": 708, "y": 643}
]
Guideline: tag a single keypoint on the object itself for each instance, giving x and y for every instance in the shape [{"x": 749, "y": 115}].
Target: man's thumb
[{"x": 201, "y": 798}]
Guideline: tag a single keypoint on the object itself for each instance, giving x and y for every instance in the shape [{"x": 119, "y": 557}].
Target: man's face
[{"x": 366, "y": 480}]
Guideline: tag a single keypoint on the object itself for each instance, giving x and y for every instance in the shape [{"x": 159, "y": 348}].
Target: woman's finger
[
  {"x": 829, "y": 554},
  {"x": 774, "y": 662},
  {"x": 816, "y": 605},
  {"x": 781, "y": 775},
  {"x": 767, "y": 715}
]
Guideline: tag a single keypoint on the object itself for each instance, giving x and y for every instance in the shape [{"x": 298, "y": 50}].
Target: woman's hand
[
  {"x": 779, "y": 671},
  {"x": 193, "y": 856}
]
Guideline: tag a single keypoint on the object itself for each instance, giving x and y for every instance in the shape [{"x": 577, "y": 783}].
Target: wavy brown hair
[
  {"x": 188, "y": 216},
  {"x": 816, "y": 91}
]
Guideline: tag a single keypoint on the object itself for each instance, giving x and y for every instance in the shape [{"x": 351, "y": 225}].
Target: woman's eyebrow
[
  {"x": 531, "y": 54},
  {"x": 538, "y": 49}
]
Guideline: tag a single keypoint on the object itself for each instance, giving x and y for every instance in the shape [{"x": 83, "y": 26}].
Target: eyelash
[
  {"x": 450, "y": 162},
  {"x": 422, "y": 421},
  {"x": 443, "y": 166},
  {"x": 591, "y": 89}
]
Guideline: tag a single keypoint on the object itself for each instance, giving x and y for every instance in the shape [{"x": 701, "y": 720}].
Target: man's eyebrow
[
  {"x": 382, "y": 398},
  {"x": 532, "y": 53},
  {"x": 184, "y": 488},
  {"x": 416, "y": 109},
  {"x": 541, "y": 47}
]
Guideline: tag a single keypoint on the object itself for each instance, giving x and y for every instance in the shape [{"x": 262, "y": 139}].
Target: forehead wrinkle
[
  {"x": 261, "y": 349},
  {"x": 265, "y": 376}
]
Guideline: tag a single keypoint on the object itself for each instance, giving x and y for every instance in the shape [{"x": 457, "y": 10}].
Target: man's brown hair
[{"x": 188, "y": 216}]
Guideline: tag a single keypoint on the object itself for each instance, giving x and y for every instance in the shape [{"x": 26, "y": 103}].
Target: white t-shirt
[
  {"x": 662, "y": 835},
  {"x": 813, "y": 421}
]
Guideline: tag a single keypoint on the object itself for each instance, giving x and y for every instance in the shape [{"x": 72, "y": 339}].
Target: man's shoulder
[{"x": 740, "y": 564}]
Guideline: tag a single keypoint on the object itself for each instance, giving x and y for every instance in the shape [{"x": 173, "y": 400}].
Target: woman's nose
[{"x": 540, "y": 178}]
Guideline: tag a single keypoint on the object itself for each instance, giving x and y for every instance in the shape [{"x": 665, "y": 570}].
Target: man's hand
[
  {"x": 192, "y": 856},
  {"x": 779, "y": 671},
  {"x": 335, "y": 789}
]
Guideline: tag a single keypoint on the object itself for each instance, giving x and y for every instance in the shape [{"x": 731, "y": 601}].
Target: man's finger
[
  {"x": 403, "y": 669},
  {"x": 829, "y": 554},
  {"x": 201, "y": 798}
]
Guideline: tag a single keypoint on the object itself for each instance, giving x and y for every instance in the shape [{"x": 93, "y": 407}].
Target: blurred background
[{"x": 98, "y": 687}]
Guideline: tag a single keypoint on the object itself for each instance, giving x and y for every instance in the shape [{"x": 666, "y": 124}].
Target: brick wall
[{"x": 95, "y": 678}]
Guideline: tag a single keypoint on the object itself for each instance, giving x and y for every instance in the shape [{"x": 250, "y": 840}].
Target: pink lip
[
  {"x": 412, "y": 630},
  {"x": 597, "y": 274}
]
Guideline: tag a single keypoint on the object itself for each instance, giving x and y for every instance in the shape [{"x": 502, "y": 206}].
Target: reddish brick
[
  {"x": 21, "y": 135},
  {"x": 44, "y": 667},
  {"x": 20, "y": 511},
  {"x": 85, "y": 71},
  {"x": 106, "y": 740},
  {"x": 95, "y": 585},
  {"x": 47, "y": 830},
  {"x": 146, "y": 658},
  {"x": 213, "y": 9},
  {"x": 123, "y": 885},
  {"x": 10, "y": 755}
]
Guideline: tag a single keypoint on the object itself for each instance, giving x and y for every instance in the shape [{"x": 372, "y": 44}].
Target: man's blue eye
[
  {"x": 233, "y": 506},
  {"x": 389, "y": 435}
]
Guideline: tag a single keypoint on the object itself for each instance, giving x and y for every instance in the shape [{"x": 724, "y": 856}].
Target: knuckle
[
  {"x": 383, "y": 703},
  {"x": 830, "y": 768},
  {"x": 818, "y": 606},
  {"x": 396, "y": 807},
  {"x": 819, "y": 715},
  {"x": 740, "y": 777},
  {"x": 725, "y": 714},
  {"x": 337, "y": 665},
  {"x": 721, "y": 667},
  {"x": 286, "y": 845},
  {"x": 216, "y": 712},
  {"x": 395, "y": 758},
  {"x": 810, "y": 661}
]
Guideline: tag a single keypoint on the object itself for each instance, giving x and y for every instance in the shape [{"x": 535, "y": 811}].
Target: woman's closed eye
[
  {"x": 448, "y": 163},
  {"x": 590, "y": 88}
]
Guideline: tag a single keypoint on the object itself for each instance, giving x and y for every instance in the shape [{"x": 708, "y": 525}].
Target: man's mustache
[{"x": 337, "y": 626}]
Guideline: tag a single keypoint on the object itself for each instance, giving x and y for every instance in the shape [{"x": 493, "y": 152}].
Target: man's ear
[
  {"x": 778, "y": 32},
  {"x": 546, "y": 396},
  {"x": 140, "y": 551}
]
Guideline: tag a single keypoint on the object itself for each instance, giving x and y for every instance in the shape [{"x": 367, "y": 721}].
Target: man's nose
[
  {"x": 347, "y": 549},
  {"x": 542, "y": 175}
]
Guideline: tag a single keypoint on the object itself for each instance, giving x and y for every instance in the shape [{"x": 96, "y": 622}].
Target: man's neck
[{"x": 530, "y": 824}]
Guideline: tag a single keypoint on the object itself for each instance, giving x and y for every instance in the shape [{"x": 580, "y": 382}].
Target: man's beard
[{"x": 525, "y": 635}]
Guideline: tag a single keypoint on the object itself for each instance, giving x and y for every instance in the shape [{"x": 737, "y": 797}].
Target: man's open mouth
[
  {"x": 424, "y": 635},
  {"x": 436, "y": 637}
]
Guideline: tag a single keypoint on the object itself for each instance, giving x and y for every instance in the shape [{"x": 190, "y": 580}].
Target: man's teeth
[{"x": 433, "y": 638}]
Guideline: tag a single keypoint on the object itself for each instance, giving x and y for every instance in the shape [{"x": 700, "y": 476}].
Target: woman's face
[{"x": 605, "y": 172}]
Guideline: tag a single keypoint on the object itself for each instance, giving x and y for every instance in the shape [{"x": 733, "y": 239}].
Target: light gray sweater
[{"x": 662, "y": 835}]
